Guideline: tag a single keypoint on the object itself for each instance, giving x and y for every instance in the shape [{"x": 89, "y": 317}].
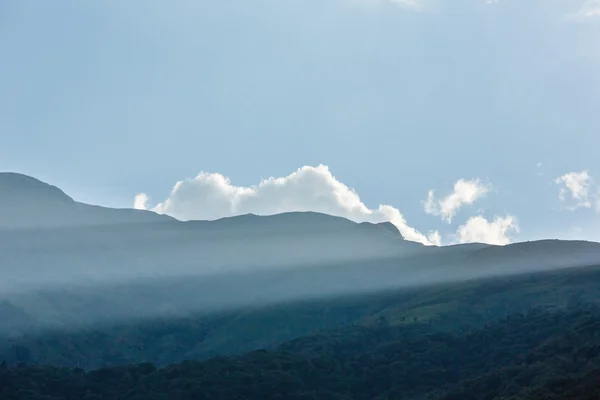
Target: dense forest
[
  {"x": 541, "y": 354},
  {"x": 451, "y": 308},
  {"x": 536, "y": 336}
]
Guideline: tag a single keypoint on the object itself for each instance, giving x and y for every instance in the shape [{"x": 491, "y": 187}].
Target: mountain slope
[
  {"x": 94, "y": 265},
  {"x": 537, "y": 354},
  {"x": 27, "y": 203}
]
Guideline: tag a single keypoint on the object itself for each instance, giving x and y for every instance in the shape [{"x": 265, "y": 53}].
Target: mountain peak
[
  {"x": 386, "y": 227},
  {"x": 27, "y": 202},
  {"x": 19, "y": 187}
]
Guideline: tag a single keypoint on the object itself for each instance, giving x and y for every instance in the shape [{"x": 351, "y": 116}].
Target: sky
[{"x": 459, "y": 121}]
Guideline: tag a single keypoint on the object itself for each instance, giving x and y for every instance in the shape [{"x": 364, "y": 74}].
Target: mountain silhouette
[{"x": 27, "y": 203}]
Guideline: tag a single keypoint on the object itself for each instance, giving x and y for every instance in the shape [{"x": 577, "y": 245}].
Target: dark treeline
[{"x": 541, "y": 354}]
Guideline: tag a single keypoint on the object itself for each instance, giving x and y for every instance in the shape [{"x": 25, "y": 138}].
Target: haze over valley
[{"x": 115, "y": 265}]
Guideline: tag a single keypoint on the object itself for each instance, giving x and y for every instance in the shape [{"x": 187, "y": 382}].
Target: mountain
[
  {"x": 85, "y": 286},
  {"x": 38, "y": 220},
  {"x": 66, "y": 264},
  {"x": 27, "y": 203}
]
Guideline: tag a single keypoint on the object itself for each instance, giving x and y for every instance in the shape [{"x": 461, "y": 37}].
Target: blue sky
[{"x": 111, "y": 99}]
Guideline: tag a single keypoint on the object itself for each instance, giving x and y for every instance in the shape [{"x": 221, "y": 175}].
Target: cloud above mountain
[
  {"x": 575, "y": 189},
  {"x": 477, "y": 228},
  {"x": 480, "y": 230},
  {"x": 578, "y": 190},
  {"x": 211, "y": 196},
  {"x": 465, "y": 192}
]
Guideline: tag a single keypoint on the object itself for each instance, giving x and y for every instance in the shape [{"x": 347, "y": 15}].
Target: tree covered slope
[{"x": 540, "y": 354}]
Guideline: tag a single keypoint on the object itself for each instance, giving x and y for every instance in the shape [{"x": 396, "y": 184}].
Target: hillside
[
  {"x": 539, "y": 354},
  {"x": 450, "y": 307},
  {"x": 80, "y": 292},
  {"x": 28, "y": 203}
]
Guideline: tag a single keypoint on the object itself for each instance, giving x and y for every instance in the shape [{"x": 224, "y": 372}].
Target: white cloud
[
  {"x": 430, "y": 205},
  {"x": 141, "y": 201},
  {"x": 589, "y": 9},
  {"x": 576, "y": 187},
  {"x": 465, "y": 192},
  {"x": 478, "y": 229},
  {"x": 434, "y": 237},
  {"x": 211, "y": 196}
]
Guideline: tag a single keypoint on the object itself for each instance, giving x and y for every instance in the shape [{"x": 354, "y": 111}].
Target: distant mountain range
[{"x": 124, "y": 263}]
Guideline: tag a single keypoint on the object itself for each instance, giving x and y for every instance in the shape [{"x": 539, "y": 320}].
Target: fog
[
  {"x": 75, "y": 276},
  {"x": 46, "y": 258}
]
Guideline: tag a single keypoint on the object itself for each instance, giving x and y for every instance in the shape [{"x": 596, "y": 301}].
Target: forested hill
[
  {"x": 452, "y": 307},
  {"x": 336, "y": 309},
  {"x": 538, "y": 355}
]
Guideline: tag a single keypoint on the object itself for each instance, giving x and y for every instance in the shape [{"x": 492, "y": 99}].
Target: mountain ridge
[
  {"x": 29, "y": 203},
  {"x": 112, "y": 262}
]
